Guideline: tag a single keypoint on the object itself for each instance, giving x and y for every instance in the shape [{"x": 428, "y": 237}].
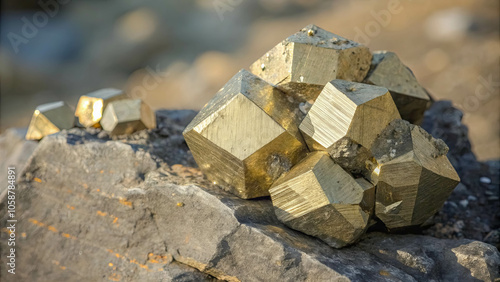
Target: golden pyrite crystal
[
  {"x": 319, "y": 198},
  {"x": 348, "y": 109},
  {"x": 410, "y": 97},
  {"x": 91, "y": 106},
  {"x": 304, "y": 62},
  {"x": 49, "y": 119},
  {"x": 364, "y": 161},
  {"x": 414, "y": 176},
  {"x": 246, "y": 136},
  {"x": 127, "y": 116}
]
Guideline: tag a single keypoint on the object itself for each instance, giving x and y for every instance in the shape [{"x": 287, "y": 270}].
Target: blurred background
[{"x": 177, "y": 54}]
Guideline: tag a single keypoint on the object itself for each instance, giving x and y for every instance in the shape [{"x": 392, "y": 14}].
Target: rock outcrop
[{"x": 91, "y": 207}]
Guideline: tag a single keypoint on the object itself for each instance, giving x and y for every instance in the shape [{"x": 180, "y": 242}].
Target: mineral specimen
[
  {"x": 414, "y": 175},
  {"x": 246, "y": 136},
  {"x": 304, "y": 62},
  {"x": 253, "y": 136},
  {"x": 91, "y": 106},
  {"x": 410, "y": 97},
  {"x": 348, "y": 109},
  {"x": 127, "y": 116},
  {"x": 319, "y": 198},
  {"x": 49, "y": 119}
]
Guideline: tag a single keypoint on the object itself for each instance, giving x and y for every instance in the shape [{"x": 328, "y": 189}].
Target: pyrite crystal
[
  {"x": 415, "y": 176},
  {"x": 127, "y": 116},
  {"x": 246, "y": 136},
  {"x": 410, "y": 97},
  {"x": 348, "y": 109},
  {"x": 49, "y": 119},
  {"x": 90, "y": 107},
  {"x": 319, "y": 198},
  {"x": 304, "y": 62},
  {"x": 252, "y": 139}
]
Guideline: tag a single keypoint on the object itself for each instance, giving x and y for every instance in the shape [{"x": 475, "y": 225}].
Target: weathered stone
[
  {"x": 91, "y": 106},
  {"x": 68, "y": 219},
  {"x": 15, "y": 152},
  {"x": 49, "y": 119},
  {"x": 410, "y": 97},
  {"x": 414, "y": 175},
  {"x": 246, "y": 136},
  {"x": 319, "y": 198},
  {"x": 347, "y": 109},
  {"x": 304, "y": 62},
  {"x": 127, "y": 116}
]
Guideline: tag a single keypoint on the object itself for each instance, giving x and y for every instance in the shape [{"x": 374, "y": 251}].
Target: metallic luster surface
[
  {"x": 319, "y": 198},
  {"x": 127, "y": 116},
  {"x": 348, "y": 109},
  {"x": 91, "y": 106},
  {"x": 246, "y": 136},
  {"x": 304, "y": 62},
  {"x": 49, "y": 119},
  {"x": 415, "y": 176},
  {"x": 410, "y": 97}
]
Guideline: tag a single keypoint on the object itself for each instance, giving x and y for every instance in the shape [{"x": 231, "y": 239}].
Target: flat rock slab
[{"x": 93, "y": 208}]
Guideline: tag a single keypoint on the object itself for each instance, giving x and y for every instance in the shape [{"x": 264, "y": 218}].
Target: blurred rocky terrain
[
  {"x": 92, "y": 207},
  {"x": 177, "y": 54}
]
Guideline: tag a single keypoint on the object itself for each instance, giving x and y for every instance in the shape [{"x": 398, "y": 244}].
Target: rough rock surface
[{"x": 136, "y": 208}]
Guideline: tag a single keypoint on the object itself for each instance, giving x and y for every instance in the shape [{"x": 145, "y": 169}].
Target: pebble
[
  {"x": 464, "y": 203},
  {"x": 485, "y": 180},
  {"x": 472, "y": 198}
]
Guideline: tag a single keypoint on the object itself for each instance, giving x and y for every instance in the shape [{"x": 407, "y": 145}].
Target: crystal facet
[
  {"x": 319, "y": 198},
  {"x": 246, "y": 136},
  {"x": 49, "y": 119},
  {"x": 414, "y": 177},
  {"x": 127, "y": 116},
  {"x": 409, "y": 96},
  {"x": 304, "y": 62},
  {"x": 348, "y": 109},
  {"x": 90, "y": 107}
]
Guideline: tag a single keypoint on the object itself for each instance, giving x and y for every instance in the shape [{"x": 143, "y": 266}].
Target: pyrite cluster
[
  {"x": 108, "y": 108},
  {"x": 327, "y": 129}
]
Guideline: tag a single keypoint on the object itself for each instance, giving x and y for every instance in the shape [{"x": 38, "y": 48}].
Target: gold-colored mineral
[
  {"x": 304, "y": 62},
  {"x": 246, "y": 136},
  {"x": 321, "y": 199},
  {"x": 409, "y": 96},
  {"x": 49, "y": 119},
  {"x": 414, "y": 175},
  {"x": 127, "y": 116},
  {"x": 90, "y": 107},
  {"x": 348, "y": 109}
]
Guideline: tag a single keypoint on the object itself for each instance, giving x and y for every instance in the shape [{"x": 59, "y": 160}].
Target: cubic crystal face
[
  {"x": 319, "y": 198},
  {"x": 409, "y": 96},
  {"x": 90, "y": 107},
  {"x": 127, "y": 116},
  {"x": 49, "y": 119},
  {"x": 415, "y": 176},
  {"x": 304, "y": 62},
  {"x": 246, "y": 136},
  {"x": 347, "y": 109}
]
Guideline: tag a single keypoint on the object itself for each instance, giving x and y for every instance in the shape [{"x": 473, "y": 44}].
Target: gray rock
[
  {"x": 96, "y": 209},
  {"x": 15, "y": 152}
]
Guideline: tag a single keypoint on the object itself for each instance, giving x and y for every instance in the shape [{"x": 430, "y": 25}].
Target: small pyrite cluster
[
  {"x": 330, "y": 131},
  {"x": 108, "y": 108}
]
